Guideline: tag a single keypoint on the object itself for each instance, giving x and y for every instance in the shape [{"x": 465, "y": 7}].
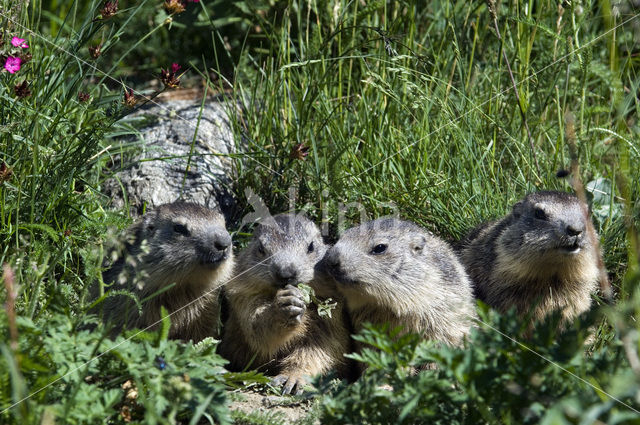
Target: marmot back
[
  {"x": 393, "y": 271},
  {"x": 269, "y": 325},
  {"x": 540, "y": 258},
  {"x": 179, "y": 243}
]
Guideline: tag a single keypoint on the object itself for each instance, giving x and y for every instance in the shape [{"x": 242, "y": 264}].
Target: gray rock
[{"x": 170, "y": 165}]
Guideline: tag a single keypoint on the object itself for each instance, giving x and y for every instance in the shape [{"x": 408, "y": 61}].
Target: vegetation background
[{"x": 396, "y": 106}]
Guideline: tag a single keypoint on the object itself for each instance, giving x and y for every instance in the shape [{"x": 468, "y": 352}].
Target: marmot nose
[
  {"x": 286, "y": 274},
  {"x": 331, "y": 260},
  {"x": 222, "y": 242},
  {"x": 574, "y": 229}
]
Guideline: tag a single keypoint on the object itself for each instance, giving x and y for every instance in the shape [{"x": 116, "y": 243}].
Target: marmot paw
[
  {"x": 290, "y": 383},
  {"x": 290, "y": 302}
]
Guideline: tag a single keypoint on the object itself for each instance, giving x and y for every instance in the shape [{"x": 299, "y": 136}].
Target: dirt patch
[{"x": 250, "y": 407}]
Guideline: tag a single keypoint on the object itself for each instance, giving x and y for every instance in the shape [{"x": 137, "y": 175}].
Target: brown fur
[
  {"x": 179, "y": 243},
  {"x": 525, "y": 260},
  {"x": 416, "y": 282},
  {"x": 269, "y": 327}
]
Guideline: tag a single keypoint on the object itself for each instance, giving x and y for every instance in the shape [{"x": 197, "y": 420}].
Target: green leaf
[{"x": 165, "y": 326}]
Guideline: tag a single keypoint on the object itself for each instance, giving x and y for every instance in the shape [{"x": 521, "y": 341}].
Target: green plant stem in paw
[{"x": 309, "y": 296}]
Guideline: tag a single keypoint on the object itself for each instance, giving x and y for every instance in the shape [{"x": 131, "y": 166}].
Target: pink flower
[
  {"x": 12, "y": 64},
  {"x": 175, "y": 67},
  {"x": 19, "y": 42}
]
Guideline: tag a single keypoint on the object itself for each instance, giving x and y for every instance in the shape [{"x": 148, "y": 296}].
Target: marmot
[
  {"x": 393, "y": 271},
  {"x": 179, "y": 243},
  {"x": 269, "y": 327},
  {"x": 540, "y": 258}
]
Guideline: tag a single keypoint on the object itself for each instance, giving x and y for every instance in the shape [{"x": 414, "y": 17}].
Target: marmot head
[
  {"x": 181, "y": 240},
  {"x": 282, "y": 251},
  {"x": 389, "y": 263},
  {"x": 550, "y": 226}
]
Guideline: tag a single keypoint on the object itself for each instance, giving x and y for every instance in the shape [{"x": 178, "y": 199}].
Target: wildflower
[
  {"x": 174, "y": 6},
  {"x": 169, "y": 77},
  {"x": 22, "y": 90},
  {"x": 160, "y": 362},
  {"x": 177, "y": 6},
  {"x": 12, "y": 64},
  {"x": 84, "y": 96},
  {"x": 5, "y": 172},
  {"x": 67, "y": 232},
  {"x": 130, "y": 99},
  {"x": 19, "y": 42},
  {"x": 299, "y": 151},
  {"x": 110, "y": 8},
  {"x": 95, "y": 51}
]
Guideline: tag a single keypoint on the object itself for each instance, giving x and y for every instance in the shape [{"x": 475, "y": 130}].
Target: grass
[{"x": 404, "y": 108}]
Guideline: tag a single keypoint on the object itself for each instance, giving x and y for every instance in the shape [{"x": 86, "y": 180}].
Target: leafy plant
[
  {"x": 494, "y": 378},
  {"x": 143, "y": 376}
]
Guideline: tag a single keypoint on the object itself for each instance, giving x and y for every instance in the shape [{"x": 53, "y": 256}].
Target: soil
[{"x": 281, "y": 409}]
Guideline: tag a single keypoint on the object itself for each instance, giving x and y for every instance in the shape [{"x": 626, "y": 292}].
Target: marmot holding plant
[{"x": 269, "y": 326}]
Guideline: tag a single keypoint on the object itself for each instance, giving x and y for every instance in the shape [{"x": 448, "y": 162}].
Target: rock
[{"x": 169, "y": 166}]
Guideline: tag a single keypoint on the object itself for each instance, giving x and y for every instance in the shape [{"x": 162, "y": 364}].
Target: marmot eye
[
  {"x": 539, "y": 214},
  {"x": 261, "y": 249},
  {"x": 310, "y": 249},
  {"x": 379, "y": 249},
  {"x": 181, "y": 228}
]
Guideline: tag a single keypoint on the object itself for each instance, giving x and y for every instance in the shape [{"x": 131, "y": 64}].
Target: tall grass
[{"x": 414, "y": 105}]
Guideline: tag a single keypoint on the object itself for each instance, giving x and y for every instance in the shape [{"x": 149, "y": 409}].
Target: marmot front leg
[
  {"x": 273, "y": 322},
  {"x": 302, "y": 363},
  {"x": 290, "y": 303},
  {"x": 321, "y": 350}
]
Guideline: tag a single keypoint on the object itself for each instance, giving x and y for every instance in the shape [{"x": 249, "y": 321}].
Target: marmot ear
[
  {"x": 417, "y": 244},
  {"x": 517, "y": 209}
]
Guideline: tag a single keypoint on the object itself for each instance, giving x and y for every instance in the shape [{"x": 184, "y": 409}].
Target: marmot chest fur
[
  {"x": 392, "y": 271},
  {"x": 180, "y": 246},
  {"x": 538, "y": 259},
  {"x": 269, "y": 326}
]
